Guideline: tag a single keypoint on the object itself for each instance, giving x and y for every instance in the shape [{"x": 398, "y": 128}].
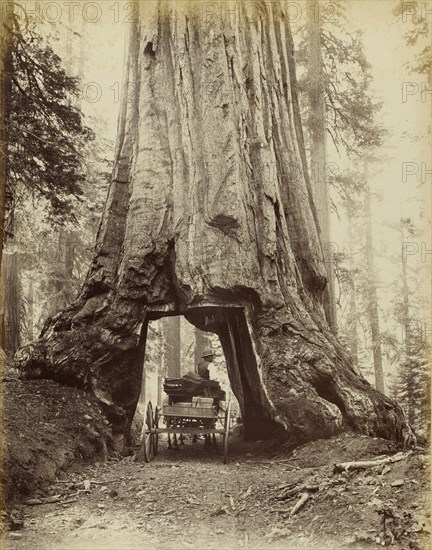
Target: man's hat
[{"x": 207, "y": 353}]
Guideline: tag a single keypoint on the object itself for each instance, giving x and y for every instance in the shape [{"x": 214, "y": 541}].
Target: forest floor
[
  {"x": 47, "y": 428},
  {"x": 187, "y": 498}
]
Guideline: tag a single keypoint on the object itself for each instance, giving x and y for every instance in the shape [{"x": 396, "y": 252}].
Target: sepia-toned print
[{"x": 216, "y": 265}]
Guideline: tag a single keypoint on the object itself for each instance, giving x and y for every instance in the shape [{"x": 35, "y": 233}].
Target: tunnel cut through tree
[{"x": 210, "y": 214}]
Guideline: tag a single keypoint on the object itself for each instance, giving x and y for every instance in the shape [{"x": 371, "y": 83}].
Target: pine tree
[
  {"x": 44, "y": 133},
  {"x": 419, "y": 35},
  {"x": 371, "y": 291},
  {"x": 412, "y": 386},
  {"x": 349, "y": 106},
  {"x": 62, "y": 241}
]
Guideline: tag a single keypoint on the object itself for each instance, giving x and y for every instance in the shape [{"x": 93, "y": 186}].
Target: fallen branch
[
  {"x": 77, "y": 493},
  {"x": 348, "y": 466},
  {"x": 46, "y": 500},
  {"x": 220, "y": 511},
  {"x": 288, "y": 485},
  {"x": 168, "y": 465},
  {"x": 267, "y": 463},
  {"x": 301, "y": 501},
  {"x": 103, "y": 482},
  {"x": 301, "y": 488},
  {"x": 94, "y": 482},
  {"x": 284, "y": 461}
]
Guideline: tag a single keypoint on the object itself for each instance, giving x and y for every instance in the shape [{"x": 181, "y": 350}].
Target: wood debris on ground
[{"x": 361, "y": 465}]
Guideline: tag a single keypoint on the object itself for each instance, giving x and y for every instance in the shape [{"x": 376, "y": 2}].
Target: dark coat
[{"x": 202, "y": 369}]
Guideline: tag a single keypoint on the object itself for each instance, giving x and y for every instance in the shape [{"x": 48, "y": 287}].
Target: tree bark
[
  {"x": 5, "y": 106},
  {"x": 13, "y": 302},
  {"x": 372, "y": 297},
  {"x": 206, "y": 217}
]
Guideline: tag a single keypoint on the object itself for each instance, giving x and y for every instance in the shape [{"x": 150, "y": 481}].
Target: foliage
[
  {"x": 349, "y": 186},
  {"x": 351, "y": 117},
  {"x": 350, "y": 109},
  {"x": 45, "y": 134},
  {"x": 413, "y": 380},
  {"x": 412, "y": 385},
  {"x": 54, "y": 221},
  {"x": 418, "y": 34}
]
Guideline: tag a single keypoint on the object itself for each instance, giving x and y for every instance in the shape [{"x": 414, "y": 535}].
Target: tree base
[{"x": 291, "y": 385}]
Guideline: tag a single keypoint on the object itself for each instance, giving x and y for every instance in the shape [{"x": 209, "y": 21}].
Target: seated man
[
  {"x": 204, "y": 371},
  {"x": 203, "y": 366}
]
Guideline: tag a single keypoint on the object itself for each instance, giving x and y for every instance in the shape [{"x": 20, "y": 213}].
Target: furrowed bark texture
[{"x": 210, "y": 215}]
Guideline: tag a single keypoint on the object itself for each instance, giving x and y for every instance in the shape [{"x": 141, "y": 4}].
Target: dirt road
[{"x": 189, "y": 499}]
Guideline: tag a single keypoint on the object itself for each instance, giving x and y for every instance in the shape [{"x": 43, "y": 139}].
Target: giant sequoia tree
[{"x": 210, "y": 215}]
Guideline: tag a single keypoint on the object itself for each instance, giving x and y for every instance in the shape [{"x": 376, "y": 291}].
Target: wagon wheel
[
  {"x": 226, "y": 432},
  {"x": 157, "y": 415},
  {"x": 148, "y": 436},
  {"x": 213, "y": 436}
]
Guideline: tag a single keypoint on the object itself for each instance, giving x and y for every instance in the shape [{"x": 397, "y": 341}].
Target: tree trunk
[
  {"x": 317, "y": 126},
  {"x": 171, "y": 334},
  {"x": 353, "y": 335},
  {"x": 6, "y": 68},
  {"x": 408, "y": 374},
  {"x": 82, "y": 56},
  {"x": 372, "y": 298},
  {"x": 30, "y": 311},
  {"x": 61, "y": 274},
  {"x": 194, "y": 225},
  {"x": 162, "y": 370},
  {"x": 201, "y": 342},
  {"x": 353, "y": 315},
  {"x": 62, "y": 281},
  {"x": 13, "y": 302}
]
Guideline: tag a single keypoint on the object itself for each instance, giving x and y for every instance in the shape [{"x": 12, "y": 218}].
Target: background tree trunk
[
  {"x": 63, "y": 275},
  {"x": 208, "y": 216},
  {"x": 13, "y": 302},
  {"x": 317, "y": 125},
  {"x": 353, "y": 315},
  {"x": 30, "y": 312},
  {"x": 171, "y": 334},
  {"x": 407, "y": 366},
  {"x": 372, "y": 297},
  {"x": 5, "y": 106},
  {"x": 201, "y": 342}
]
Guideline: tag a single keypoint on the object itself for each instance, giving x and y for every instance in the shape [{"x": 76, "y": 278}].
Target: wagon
[{"x": 195, "y": 418}]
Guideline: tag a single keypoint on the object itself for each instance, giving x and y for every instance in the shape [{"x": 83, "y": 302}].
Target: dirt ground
[
  {"x": 47, "y": 428},
  {"x": 187, "y": 498}
]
